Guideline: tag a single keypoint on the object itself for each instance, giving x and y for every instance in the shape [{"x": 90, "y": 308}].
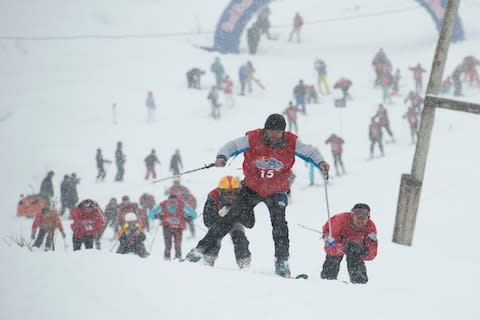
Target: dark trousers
[
  {"x": 337, "y": 160},
  {"x": 137, "y": 247},
  {"x": 101, "y": 173},
  {"x": 120, "y": 172},
  {"x": 355, "y": 265},
  {"x": 41, "y": 235},
  {"x": 241, "y": 211},
  {"x": 373, "y": 142},
  {"x": 240, "y": 245},
  {"x": 87, "y": 241},
  {"x": 176, "y": 235}
]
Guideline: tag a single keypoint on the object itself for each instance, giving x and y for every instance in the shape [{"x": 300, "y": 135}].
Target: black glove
[{"x": 356, "y": 249}]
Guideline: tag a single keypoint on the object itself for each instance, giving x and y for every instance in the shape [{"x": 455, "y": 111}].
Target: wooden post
[{"x": 411, "y": 185}]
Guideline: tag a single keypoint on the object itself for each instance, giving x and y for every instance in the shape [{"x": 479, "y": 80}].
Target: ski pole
[
  {"x": 113, "y": 247},
  {"x": 325, "y": 180},
  {"x": 311, "y": 229},
  {"x": 207, "y": 166},
  {"x": 154, "y": 236}
]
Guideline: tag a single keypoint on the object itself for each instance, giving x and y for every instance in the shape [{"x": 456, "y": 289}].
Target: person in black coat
[{"x": 46, "y": 188}]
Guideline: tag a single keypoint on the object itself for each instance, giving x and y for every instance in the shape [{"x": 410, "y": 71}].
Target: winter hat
[
  {"x": 275, "y": 121},
  {"x": 361, "y": 209},
  {"x": 130, "y": 217}
]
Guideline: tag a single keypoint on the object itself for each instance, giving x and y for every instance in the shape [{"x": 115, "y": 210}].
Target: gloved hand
[
  {"x": 330, "y": 242},
  {"x": 324, "y": 167},
  {"x": 223, "y": 212},
  {"x": 356, "y": 249}
]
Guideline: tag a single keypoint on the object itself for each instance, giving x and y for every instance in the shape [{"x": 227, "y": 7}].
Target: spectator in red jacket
[
  {"x": 47, "y": 221},
  {"x": 413, "y": 121},
  {"x": 291, "y": 112},
  {"x": 354, "y": 235},
  {"x": 336, "y": 144},
  {"x": 88, "y": 220}
]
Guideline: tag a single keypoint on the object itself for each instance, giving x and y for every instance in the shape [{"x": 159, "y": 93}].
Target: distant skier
[
  {"x": 227, "y": 86},
  {"x": 375, "y": 135},
  {"x": 120, "y": 160},
  {"x": 253, "y": 39},
  {"x": 214, "y": 103},
  {"x": 384, "y": 121},
  {"x": 150, "y": 104},
  {"x": 469, "y": 66},
  {"x": 218, "y": 71},
  {"x": 150, "y": 161},
  {"x": 297, "y": 27},
  {"x": 176, "y": 165},
  {"x": 322, "y": 83},
  {"x": 299, "y": 94},
  {"x": 46, "y": 188},
  {"x": 101, "y": 165},
  {"x": 417, "y": 77},
  {"x": 193, "y": 78},
  {"x": 336, "y": 144},
  {"x": 291, "y": 112},
  {"x": 344, "y": 85},
  {"x": 413, "y": 121}
]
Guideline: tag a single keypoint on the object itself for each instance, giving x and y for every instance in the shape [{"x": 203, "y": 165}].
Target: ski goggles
[{"x": 361, "y": 212}]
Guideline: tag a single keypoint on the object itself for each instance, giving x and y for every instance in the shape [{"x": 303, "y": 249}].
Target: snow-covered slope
[{"x": 55, "y": 106}]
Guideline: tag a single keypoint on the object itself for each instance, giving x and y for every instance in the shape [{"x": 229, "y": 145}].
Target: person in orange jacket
[
  {"x": 354, "y": 235},
  {"x": 47, "y": 222}
]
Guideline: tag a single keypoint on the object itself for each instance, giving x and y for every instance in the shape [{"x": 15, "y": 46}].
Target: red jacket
[
  {"x": 336, "y": 144},
  {"x": 343, "y": 231},
  {"x": 47, "y": 222},
  {"x": 176, "y": 219},
  {"x": 374, "y": 131},
  {"x": 86, "y": 223},
  {"x": 267, "y": 170},
  {"x": 124, "y": 208}
]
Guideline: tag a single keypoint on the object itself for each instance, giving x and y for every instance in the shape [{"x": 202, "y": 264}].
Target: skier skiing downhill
[{"x": 269, "y": 154}]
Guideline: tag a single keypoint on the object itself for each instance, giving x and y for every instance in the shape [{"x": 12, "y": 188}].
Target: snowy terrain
[{"x": 55, "y": 111}]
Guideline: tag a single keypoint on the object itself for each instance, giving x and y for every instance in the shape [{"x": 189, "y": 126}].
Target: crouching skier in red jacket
[
  {"x": 132, "y": 237},
  {"x": 352, "y": 234}
]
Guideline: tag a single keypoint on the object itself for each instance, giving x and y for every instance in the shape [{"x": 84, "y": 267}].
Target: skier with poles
[
  {"x": 354, "y": 235},
  {"x": 269, "y": 154},
  {"x": 47, "y": 222}
]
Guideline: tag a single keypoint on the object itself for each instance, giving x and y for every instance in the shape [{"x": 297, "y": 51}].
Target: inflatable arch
[{"x": 238, "y": 12}]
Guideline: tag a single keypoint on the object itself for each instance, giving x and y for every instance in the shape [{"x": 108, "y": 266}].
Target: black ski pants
[
  {"x": 77, "y": 243},
  {"x": 240, "y": 244},
  {"x": 355, "y": 265},
  {"x": 242, "y": 211}
]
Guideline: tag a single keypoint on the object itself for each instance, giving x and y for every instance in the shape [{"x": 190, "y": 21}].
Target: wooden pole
[{"x": 411, "y": 185}]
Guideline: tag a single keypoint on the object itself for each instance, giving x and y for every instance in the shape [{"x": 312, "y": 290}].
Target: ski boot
[
  {"x": 194, "y": 255},
  {"x": 282, "y": 268}
]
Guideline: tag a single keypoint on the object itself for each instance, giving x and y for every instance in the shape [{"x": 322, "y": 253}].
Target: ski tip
[{"x": 302, "y": 276}]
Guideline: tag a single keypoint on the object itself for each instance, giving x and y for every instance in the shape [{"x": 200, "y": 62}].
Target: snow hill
[{"x": 57, "y": 86}]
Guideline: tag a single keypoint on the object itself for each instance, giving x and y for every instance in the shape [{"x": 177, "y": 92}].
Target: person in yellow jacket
[{"x": 132, "y": 237}]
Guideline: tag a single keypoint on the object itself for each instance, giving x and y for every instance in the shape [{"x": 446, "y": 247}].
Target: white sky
[{"x": 55, "y": 106}]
